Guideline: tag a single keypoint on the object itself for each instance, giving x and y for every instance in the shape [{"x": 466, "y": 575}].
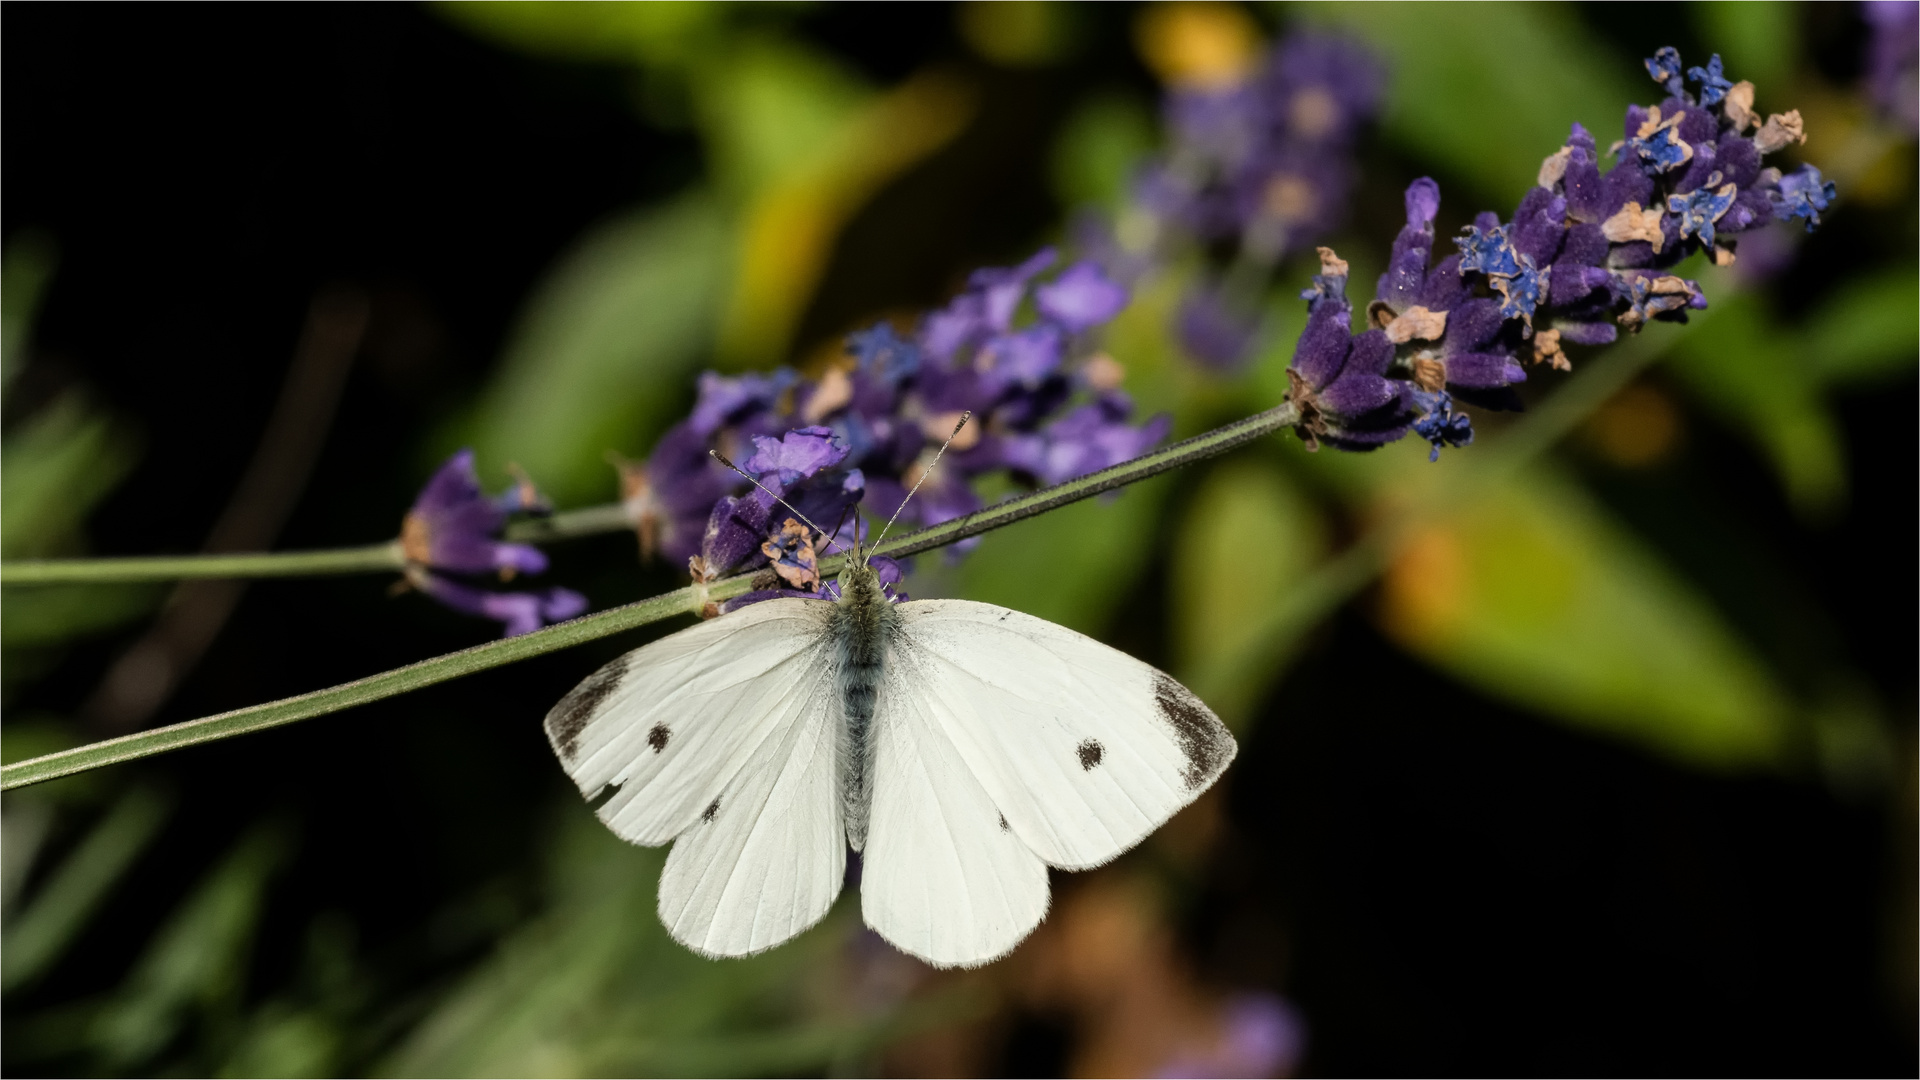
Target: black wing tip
[
  {"x": 570, "y": 716},
  {"x": 1208, "y": 745}
]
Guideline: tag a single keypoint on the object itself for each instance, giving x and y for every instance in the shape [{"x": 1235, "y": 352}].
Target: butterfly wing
[
  {"x": 942, "y": 877},
  {"x": 1084, "y": 749},
  {"x": 722, "y": 736}
]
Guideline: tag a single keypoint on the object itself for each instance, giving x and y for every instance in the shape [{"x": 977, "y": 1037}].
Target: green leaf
[
  {"x": 1758, "y": 41},
  {"x": 1868, "y": 332},
  {"x": 197, "y": 961},
  {"x": 75, "y": 889},
  {"x": 1245, "y": 541},
  {"x": 53, "y": 614},
  {"x": 25, "y": 270},
  {"x": 606, "y": 349},
  {"x": 1534, "y": 594},
  {"x": 52, "y": 471},
  {"x": 1759, "y": 378},
  {"x": 666, "y": 32},
  {"x": 1489, "y": 95},
  {"x": 773, "y": 108},
  {"x": 1098, "y": 149}
]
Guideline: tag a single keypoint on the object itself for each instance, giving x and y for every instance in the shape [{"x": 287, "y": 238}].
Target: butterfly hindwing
[
  {"x": 1084, "y": 749},
  {"x": 656, "y": 735},
  {"x": 768, "y": 855},
  {"x": 942, "y": 877}
]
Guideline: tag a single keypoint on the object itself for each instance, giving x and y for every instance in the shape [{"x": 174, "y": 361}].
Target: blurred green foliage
[
  {"x": 56, "y": 464},
  {"x": 605, "y": 349}
]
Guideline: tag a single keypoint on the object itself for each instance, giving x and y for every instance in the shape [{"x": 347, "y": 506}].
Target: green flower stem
[
  {"x": 567, "y": 524},
  {"x": 354, "y": 560},
  {"x": 601, "y": 624},
  {"x": 373, "y": 558}
]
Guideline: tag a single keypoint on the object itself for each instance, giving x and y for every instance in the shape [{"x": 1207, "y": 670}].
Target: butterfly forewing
[
  {"x": 1083, "y": 748},
  {"x": 658, "y": 734}
]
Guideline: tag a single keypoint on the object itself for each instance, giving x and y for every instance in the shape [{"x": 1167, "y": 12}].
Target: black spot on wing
[
  {"x": 1202, "y": 737},
  {"x": 1004, "y": 827},
  {"x": 569, "y": 718},
  {"x": 657, "y": 738},
  {"x": 1090, "y": 753},
  {"x": 713, "y": 808}
]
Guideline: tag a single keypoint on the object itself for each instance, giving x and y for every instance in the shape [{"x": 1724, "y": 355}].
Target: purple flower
[
  {"x": 794, "y": 456},
  {"x": 1439, "y": 424},
  {"x": 1088, "y": 439},
  {"x": 1338, "y": 380},
  {"x": 1080, "y": 298},
  {"x": 1893, "y": 55},
  {"x": 1262, "y": 1035},
  {"x": 451, "y": 529},
  {"x": 519, "y": 612},
  {"x": 1041, "y": 401},
  {"x": 452, "y": 526},
  {"x": 1215, "y": 331},
  {"x": 1664, "y": 67},
  {"x": 1713, "y": 87},
  {"x": 1803, "y": 194},
  {"x": 667, "y": 498},
  {"x": 736, "y": 401}
]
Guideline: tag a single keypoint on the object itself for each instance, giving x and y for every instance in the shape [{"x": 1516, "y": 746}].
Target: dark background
[{"x": 1455, "y": 888}]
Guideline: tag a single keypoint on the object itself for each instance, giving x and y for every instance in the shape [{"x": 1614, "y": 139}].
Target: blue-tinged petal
[{"x": 1713, "y": 85}]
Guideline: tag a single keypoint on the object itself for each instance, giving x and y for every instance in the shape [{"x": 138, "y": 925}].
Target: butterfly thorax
[{"x": 862, "y": 624}]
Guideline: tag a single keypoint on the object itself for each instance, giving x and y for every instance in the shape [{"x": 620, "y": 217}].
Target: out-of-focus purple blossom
[
  {"x": 1893, "y": 59},
  {"x": 1262, "y": 1035},
  {"x": 453, "y": 528},
  {"x": 1015, "y": 351},
  {"x": 1080, "y": 298},
  {"x": 1088, "y": 439},
  {"x": 1261, "y": 166},
  {"x": 1585, "y": 253},
  {"x": 1215, "y": 331}
]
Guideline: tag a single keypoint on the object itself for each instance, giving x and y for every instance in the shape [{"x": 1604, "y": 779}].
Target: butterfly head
[{"x": 858, "y": 574}]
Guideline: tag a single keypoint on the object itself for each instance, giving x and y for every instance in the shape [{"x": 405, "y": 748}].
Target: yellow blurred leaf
[
  {"x": 1533, "y": 593},
  {"x": 809, "y": 148}
]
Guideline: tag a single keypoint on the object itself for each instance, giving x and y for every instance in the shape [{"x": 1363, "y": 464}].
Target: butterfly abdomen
[{"x": 863, "y": 622}]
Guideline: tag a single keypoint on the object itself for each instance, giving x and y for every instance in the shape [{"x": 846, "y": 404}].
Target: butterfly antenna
[
  {"x": 834, "y": 541},
  {"x": 722, "y": 459},
  {"x": 924, "y": 473}
]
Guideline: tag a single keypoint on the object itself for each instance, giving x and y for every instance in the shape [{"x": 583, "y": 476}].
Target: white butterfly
[{"x": 961, "y": 748}]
